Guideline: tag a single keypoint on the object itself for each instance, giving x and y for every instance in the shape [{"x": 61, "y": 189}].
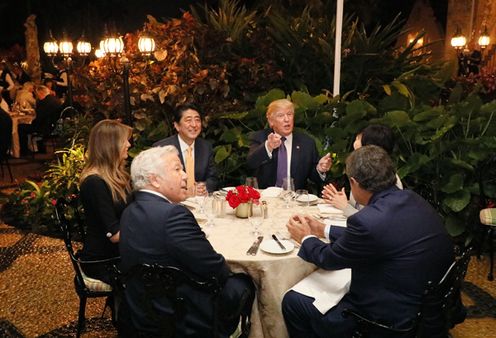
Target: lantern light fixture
[
  {"x": 146, "y": 45},
  {"x": 484, "y": 39},
  {"x": 113, "y": 46},
  {"x": 458, "y": 41}
]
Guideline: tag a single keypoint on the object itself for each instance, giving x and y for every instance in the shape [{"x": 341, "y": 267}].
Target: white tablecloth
[
  {"x": 272, "y": 274},
  {"x": 16, "y": 120}
]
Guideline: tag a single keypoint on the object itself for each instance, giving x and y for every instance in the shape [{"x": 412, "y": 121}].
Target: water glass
[
  {"x": 251, "y": 182},
  {"x": 256, "y": 218},
  {"x": 287, "y": 190},
  {"x": 209, "y": 206},
  {"x": 302, "y": 197}
]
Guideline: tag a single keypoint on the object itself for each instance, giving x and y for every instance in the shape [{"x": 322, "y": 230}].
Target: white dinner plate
[
  {"x": 303, "y": 198},
  {"x": 226, "y": 189},
  {"x": 271, "y": 246}
]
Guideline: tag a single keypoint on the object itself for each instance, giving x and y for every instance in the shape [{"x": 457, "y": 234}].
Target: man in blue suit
[
  {"x": 279, "y": 152},
  {"x": 155, "y": 229},
  {"x": 394, "y": 246},
  {"x": 188, "y": 123}
]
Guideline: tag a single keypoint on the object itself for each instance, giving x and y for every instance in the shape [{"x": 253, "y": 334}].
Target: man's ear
[
  {"x": 353, "y": 181},
  {"x": 176, "y": 126},
  {"x": 153, "y": 181}
]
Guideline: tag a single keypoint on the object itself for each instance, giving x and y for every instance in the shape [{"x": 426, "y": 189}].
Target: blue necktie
[{"x": 282, "y": 163}]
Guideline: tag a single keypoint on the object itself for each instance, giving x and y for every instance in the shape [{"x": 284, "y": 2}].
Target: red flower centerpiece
[{"x": 241, "y": 199}]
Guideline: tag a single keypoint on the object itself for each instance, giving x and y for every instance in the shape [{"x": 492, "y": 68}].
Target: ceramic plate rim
[{"x": 288, "y": 244}]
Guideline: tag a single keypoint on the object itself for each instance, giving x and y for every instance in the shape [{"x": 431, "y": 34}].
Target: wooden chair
[
  {"x": 441, "y": 308},
  {"x": 488, "y": 218},
  {"x": 162, "y": 282},
  {"x": 68, "y": 217}
]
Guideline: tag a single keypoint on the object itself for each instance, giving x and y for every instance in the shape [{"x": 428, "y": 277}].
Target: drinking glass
[
  {"x": 251, "y": 182},
  {"x": 287, "y": 190},
  {"x": 209, "y": 209},
  {"x": 256, "y": 218},
  {"x": 200, "y": 194},
  {"x": 302, "y": 197}
]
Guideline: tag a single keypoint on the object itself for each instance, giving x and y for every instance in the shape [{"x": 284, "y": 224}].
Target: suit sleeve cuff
[{"x": 269, "y": 153}]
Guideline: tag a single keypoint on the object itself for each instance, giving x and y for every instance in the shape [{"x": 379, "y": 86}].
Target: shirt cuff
[
  {"x": 327, "y": 230},
  {"x": 269, "y": 153},
  {"x": 307, "y": 236}
]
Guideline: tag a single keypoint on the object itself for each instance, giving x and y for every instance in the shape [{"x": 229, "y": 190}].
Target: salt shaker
[{"x": 265, "y": 208}]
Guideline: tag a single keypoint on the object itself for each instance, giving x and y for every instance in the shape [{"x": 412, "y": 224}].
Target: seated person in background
[
  {"x": 196, "y": 153},
  {"x": 374, "y": 134},
  {"x": 394, "y": 246},
  {"x": 25, "y": 98},
  {"x": 50, "y": 84},
  {"x": 48, "y": 109},
  {"x": 6, "y": 82},
  {"x": 104, "y": 190},
  {"x": 5, "y": 133},
  {"x": 279, "y": 152},
  {"x": 155, "y": 229}
]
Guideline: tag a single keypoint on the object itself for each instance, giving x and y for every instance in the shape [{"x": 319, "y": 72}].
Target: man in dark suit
[
  {"x": 155, "y": 229},
  {"x": 394, "y": 246},
  {"x": 48, "y": 109},
  {"x": 279, "y": 152},
  {"x": 187, "y": 121}
]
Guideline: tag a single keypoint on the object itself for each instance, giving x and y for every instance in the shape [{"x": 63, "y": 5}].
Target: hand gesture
[
  {"x": 273, "y": 141},
  {"x": 300, "y": 226},
  {"x": 334, "y": 197},
  {"x": 325, "y": 163}
]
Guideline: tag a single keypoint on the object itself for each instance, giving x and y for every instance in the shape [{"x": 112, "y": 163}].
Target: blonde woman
[{"x": 104, "y": 189}]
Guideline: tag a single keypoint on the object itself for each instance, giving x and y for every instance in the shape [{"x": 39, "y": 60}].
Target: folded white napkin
[
  {"x": 271, "y": 192},
  {"x": 326, "y": 287},
  {"x": 329, "y": 209}
]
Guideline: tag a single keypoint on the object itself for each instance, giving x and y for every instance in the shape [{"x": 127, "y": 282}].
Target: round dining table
[
  {"x": 18, "y": 117},
  {"x": 273, "y": 273}
]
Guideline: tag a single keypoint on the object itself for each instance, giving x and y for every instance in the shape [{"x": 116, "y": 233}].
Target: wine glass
[
  {"x": 251, "y": 182},
  {"x": 256, "y": 218},
  {"x": 287, "y": 190}
]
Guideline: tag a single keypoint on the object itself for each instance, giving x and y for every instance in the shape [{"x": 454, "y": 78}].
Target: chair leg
[
  {"x": 81, "y": 318},
  {"x": 491, "y": 254}
]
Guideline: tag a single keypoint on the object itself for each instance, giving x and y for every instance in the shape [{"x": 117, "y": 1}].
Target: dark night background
[{"x": 74, "y": 16}]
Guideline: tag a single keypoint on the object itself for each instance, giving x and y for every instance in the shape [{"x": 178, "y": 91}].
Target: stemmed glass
[
  {"x": 200, "y": 194},
  {"x": 256, "y": 218},
  {"x": 287, "y": 190}
]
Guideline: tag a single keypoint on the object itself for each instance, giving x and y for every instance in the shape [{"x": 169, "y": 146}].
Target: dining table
[
  {"x": 273, "y": 271},
  {"x": 25, "y": 116}
]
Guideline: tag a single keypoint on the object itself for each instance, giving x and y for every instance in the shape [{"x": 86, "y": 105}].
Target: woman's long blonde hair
[{"x": 103, "y": 157}]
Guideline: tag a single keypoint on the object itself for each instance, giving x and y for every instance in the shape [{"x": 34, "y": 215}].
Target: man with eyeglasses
[{"x": 278, "y": 152}]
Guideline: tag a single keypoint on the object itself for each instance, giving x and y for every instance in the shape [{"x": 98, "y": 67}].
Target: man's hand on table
[{"x": 300, "y": 226}]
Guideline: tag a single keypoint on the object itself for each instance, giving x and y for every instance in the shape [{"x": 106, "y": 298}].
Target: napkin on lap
[
  {"x": 271, "y": 192},
  {"x": 326, "y": 287}
]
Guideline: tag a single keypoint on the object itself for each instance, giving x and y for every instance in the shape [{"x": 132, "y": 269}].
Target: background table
[
  {"x": 17, "y": 119},
  {"x": 272, "y": 274}
]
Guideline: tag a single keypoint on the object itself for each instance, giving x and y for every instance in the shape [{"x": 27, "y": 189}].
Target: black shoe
[
  {"x": 41, "y": 147},
  {"x": 26, "y": 152}
]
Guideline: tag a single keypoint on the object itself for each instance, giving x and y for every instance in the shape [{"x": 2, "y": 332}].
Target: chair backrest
[
  {"x": 69, "y": 220},
  {"x": 159, "y": 281},
  {"x": 442, "y": 301}
]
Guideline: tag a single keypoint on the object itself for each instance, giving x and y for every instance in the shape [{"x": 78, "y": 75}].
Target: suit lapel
[
  {"x": 295, "y": 150},
  {"x": 198, "y": 158}
]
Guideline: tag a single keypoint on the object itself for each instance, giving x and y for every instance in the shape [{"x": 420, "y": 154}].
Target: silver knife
[
  {"x": 254, "y": 247},
  {"x": 274, "y": 237}
]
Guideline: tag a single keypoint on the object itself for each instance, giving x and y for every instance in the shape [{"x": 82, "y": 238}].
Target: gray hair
[
  {"x": 372, "y": 168},
  {"x": 149, "y": 162}
]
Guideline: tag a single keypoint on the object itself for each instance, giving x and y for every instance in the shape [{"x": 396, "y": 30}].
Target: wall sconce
[{"x": 484, "y": 39}]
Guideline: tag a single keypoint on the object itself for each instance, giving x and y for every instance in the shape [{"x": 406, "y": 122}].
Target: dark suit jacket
[
  {"x": 156, "y": 231},
  {"x": 304, "y": 159},
  {"x": 394, "y": 246},
  {"x": 47, "y": 113},
  {"x": 205, "y": 169}
]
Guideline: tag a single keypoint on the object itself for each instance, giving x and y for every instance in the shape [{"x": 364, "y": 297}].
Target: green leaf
[
  {"x": 397, "y": 118},
  {"x": 426, "y": 115},
  {"x": 457, "y": 201},
  {"x": 402, "y": 89},
  {"x": 304, "y": 101},
  {"x": 387, "y": 89},
  {"x": 221, "y": 153},
  {"x": 454, "y": 226},
  {"x": 272, "y": 95},
  {"x": 455, "y": 183}
]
